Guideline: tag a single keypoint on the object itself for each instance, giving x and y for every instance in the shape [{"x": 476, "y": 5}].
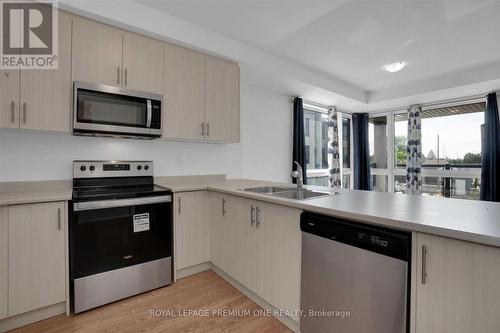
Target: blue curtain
[
  {"x": 362, "y": 177},
  {"x": 299, "y": 141},
  {"x": 490, "y": 172}
]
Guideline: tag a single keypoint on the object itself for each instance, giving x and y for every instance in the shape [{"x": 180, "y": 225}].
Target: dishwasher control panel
[{"x": 393, "y": 243}]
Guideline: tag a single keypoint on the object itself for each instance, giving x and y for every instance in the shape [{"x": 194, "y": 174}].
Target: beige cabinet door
[
  {"x": 9, "y": 98},
  {"x": 221, "y": 208},
  {"x": 279, "y": 255},
  {"x": 243, "y": 242},
  {"x": 97, "y": 53},
  {"x": 222, "y": 100},
  {"x": 457, "y": 287},
  {"x": 191, "y": 228},
  {"x": 36, "y": 256},
  {"x": 45, "y": 95},
  {"x": 142, "y": 63},
  {"x": 290, "y": 252},
  {"x": 184, "y": 96}
]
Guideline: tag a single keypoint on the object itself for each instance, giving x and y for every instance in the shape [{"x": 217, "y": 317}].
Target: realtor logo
[{"x": 29, "y": 35}]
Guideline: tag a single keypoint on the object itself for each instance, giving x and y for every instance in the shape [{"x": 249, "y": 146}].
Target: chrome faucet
[{"x": 299, "y": 175}]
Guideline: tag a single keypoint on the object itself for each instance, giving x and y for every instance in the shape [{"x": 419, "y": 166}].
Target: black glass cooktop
[{"x": 115, "y": 188}]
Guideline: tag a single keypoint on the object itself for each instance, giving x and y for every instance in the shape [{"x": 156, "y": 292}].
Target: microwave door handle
[{"x": 150, "y": 113}]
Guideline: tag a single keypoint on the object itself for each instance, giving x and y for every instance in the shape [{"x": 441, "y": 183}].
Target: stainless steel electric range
[{"x": 120, "y": 232}]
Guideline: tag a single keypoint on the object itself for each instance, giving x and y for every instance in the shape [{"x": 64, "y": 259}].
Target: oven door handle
[
  {"x": 150, "y": 113},
  {"x": 103, "y": 204}
]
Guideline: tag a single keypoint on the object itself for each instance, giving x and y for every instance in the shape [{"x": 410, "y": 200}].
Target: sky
[{"x": 458, "y": 135}]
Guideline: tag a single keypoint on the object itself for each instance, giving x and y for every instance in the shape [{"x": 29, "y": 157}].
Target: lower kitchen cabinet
[
  {"x": 259, "y": 245},
  {"x": 4, "y": 260},
  {"x": 191, "y": 228},
  {"x": 36, "y": 256},
  {"x": 458, "y": 286},
  {"x": 279, "y": 255}
]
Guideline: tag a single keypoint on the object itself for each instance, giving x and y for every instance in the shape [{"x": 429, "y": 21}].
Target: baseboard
[
  {"x": 22, "y": 319},
  {"x": 191, "y": 270},
  {"x": 288, "y": 322}
]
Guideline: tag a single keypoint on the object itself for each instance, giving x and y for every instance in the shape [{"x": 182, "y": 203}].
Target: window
[
  {"x": 400, "y": 134},
  {"x": 346, "y": 142},
  {"x": 451, "y": 150},
  {"x": 377, "y": 138},
  {"x": 316, "y": 145},
  {"x": 306, "y": 126},
  {"x": 345, "y": 137},
  {"x": 316, "y": 142},
  {"x": 377, "y": 132}
]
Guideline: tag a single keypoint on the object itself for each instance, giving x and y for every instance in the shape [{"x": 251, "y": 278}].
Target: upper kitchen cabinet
[
  {"x": 97, "y": 53},
  {"x": 184, "y": 96},
  {"x": 222, "y": 100},
  {"x": 109, "y": 56},
  {"x": 142, "y": 63},
  {"x": 45, "y": 95},
  {"x": 9, "y": 98},
  {"x": 202, "y": 97}
]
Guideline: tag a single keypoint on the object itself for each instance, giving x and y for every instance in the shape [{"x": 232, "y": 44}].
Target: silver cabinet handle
[
  {"x": 59, "y": 219},
  {"x": 12, "y": 111},
  {"x": 118, "y": 75},
  {"x": 223, "y": 206},
  {"x": 252, "y": 218},
  {"x": 25, "y": 116},
  {"x": 179, "y": 205},
  {"x": 126, "y": 76},
  {"x": 257, "y": 224},
  {"x": 208, "y": 129},
  {"x": 202, "y": 128},
  {"x": 424, "y": 264}
]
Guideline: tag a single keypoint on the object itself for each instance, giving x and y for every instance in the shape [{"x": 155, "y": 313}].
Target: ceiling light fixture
[{"x": 395, "y": 66}]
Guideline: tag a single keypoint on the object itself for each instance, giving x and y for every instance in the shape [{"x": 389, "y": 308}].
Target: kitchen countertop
[
  {"x": 14, "y": 193},
  {"x": 475, "y": 221}
]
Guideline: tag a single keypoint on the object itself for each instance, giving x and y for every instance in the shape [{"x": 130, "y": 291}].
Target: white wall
[
  {"x": 266, "y": 135},
  {"x": 262, "y": 154}
]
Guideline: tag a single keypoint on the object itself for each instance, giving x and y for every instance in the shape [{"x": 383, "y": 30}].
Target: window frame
[
  {"x": 343, "y": 171},
  {"x": 393, "y": 171}
]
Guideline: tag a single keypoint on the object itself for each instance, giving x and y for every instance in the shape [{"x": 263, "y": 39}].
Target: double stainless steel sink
[{"x": 288, "y": 192}]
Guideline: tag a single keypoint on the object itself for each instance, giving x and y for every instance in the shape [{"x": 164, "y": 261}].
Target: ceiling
[
  {"x": 332, "y": 51},
  {"x": 352, "y": 40}
]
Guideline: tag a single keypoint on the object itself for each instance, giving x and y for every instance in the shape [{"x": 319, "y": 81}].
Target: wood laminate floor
[{"x": 206, "y": 293}]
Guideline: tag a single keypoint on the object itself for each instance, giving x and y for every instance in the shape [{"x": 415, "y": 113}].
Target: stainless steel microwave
[{"x": 101, "y": 110}]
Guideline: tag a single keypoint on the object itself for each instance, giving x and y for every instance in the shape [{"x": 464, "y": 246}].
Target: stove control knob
[
  {"x": 139, "y": 167},
  {"x": 146, "y": 167},
  {"x": 83, "y": 168},
  {"x": 92, "y": 168}
]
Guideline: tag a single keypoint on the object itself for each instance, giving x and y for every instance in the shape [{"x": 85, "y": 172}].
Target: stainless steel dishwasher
[{"x": 355, "y": 277}]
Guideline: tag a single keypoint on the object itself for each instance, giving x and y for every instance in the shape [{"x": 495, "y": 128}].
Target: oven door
[
  {"x": 105, "y": 239},
  {"x": 107, "y": 109}
]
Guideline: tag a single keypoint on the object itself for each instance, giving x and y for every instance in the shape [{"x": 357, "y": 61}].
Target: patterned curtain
[
  {"x": 333, "y": 149},
  {"x": 414, "y": 152}
]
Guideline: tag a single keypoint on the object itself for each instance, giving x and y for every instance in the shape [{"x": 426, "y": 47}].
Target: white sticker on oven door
[{"x": 141, "y": 222}]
